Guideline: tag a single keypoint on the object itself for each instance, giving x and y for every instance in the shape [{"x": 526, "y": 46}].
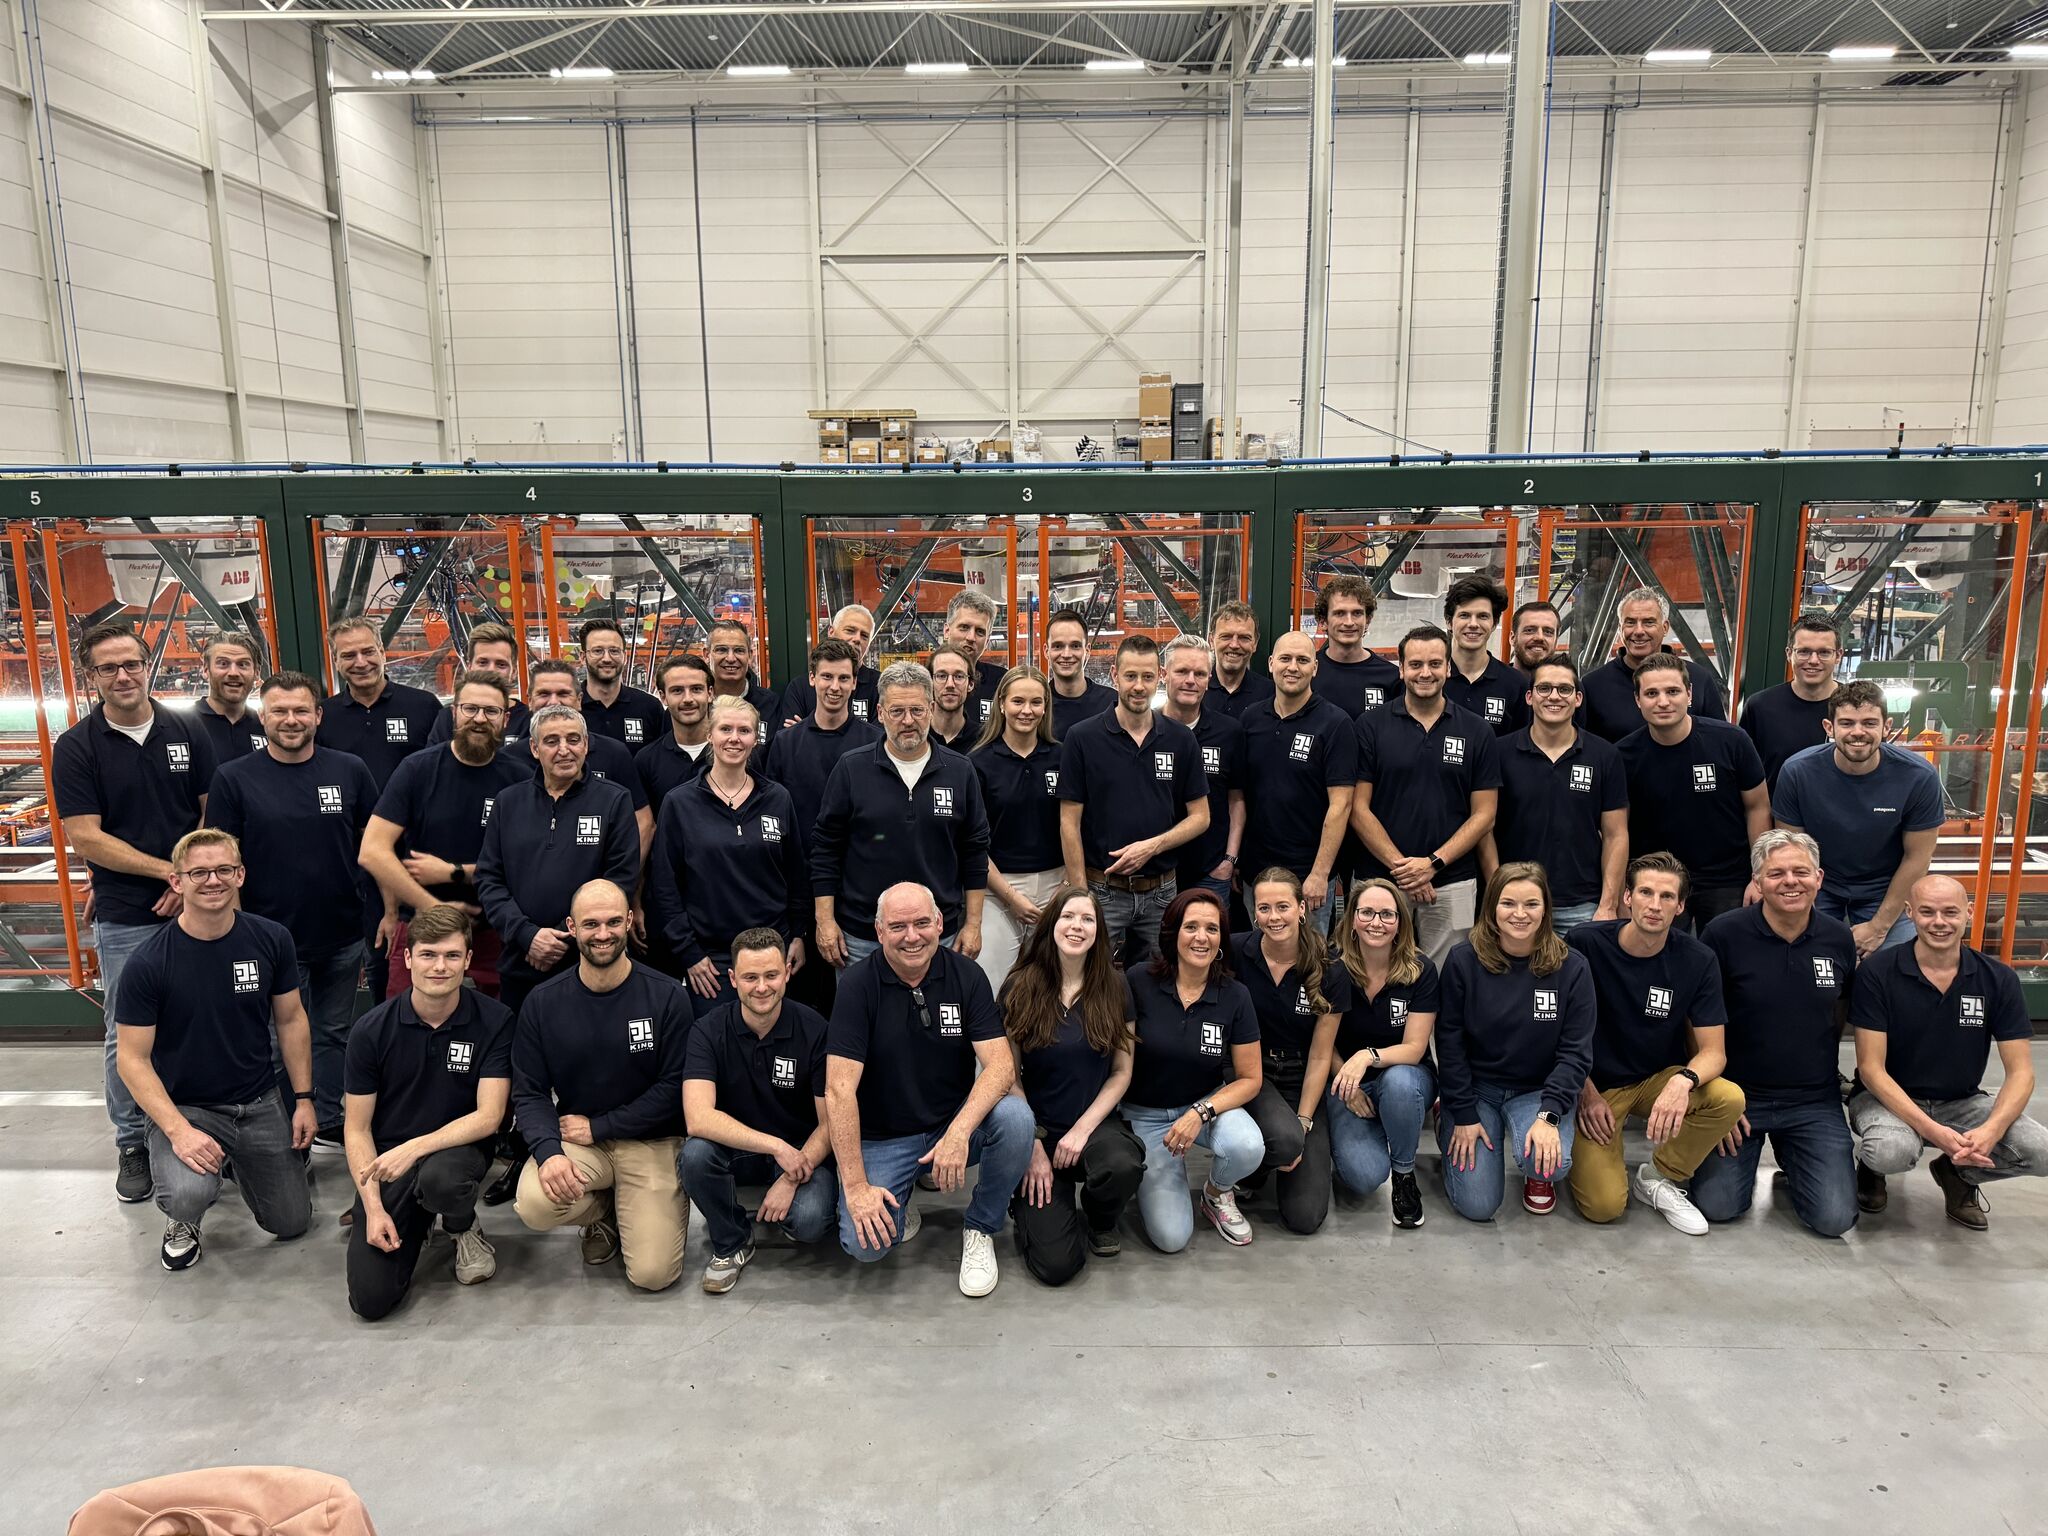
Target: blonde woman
[
  {"x": 1383, "y": 1084},
  {"x": 1019, "y": 768}
]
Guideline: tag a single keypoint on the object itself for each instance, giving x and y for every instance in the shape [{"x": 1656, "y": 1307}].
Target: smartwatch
[
  {"x": 1436, "y": 862},
  {"x": 1548, "y": 1117},
  {"x": 301, "y": 1098}
]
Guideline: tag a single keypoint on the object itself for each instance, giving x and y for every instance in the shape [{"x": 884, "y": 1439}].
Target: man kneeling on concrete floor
[
  {"x": 597, "y": 1090},
  {"x": 424, "y": 1090},
  {"x": 199, "y": 1003},
  {"x": 754, "y": 1097},
  {"x": 1925, "y": 1016}
]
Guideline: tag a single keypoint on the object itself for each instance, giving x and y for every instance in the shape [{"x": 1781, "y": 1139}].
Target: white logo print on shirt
[
  {"x": 177, "y": 756},
  {"x": 1546, "y": 1006},
  {"x": 639, "y": 1035},
  {"x": 1496, "y": 710},
  {"x": 485, "y": 819},
  {"x": 942, "y": 800},
  {"x": 949, "y": 1020},
  {"x": 1212, "y": 1039},
  {"x": 1823, "y": 971},
  {"x": 1970, "y": 1013},
  {"x": 785, "y": 1071},
  {"x": 636, "y": 730},
  {"x": 1658, "y": 1004},
  {"x": 589, "y": 831},
  {"x": 247, "y": 976},
  {"x": 1162, "y": 767},
  {"x": 1582, "y": 779},
  {"x": 1704, "y": 779},
  {"x": 330, "y": 800},
  {"x": 460, "y": 1053},
  {"x": 771, "y": 829},
  {"x": 398, "y": 730},
  {"x": 1303, "y": 745},
  {"x": 1454, "y": 749}
]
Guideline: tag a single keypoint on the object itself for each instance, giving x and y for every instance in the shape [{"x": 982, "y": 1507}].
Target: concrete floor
[{"x": 1538, "y": 1375}]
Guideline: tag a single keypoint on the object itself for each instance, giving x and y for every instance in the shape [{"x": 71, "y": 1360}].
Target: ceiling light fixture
[
  {"x": 2028, "y": 51},
  {"x": 1337, "y": 63},
  {"x": 1115, "y": 66},
  {"x": 394, "y": 76},
  {"x": 582, "y": 72},
  {"x": 1679, "y": 56},
  {"x": 1854, "y": 51},
  {"x": 950, "y": 67},
  {"x": 757, "y": 71},
  {"x": 1487, "y": 60}
]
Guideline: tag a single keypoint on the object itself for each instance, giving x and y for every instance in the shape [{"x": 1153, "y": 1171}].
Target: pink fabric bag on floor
[{"x": 228, "y": 1501}]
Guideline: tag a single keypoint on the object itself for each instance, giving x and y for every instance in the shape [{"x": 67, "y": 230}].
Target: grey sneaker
[
  {"x": 601, "y": 1241},
  {"x": 722, "y": 1274},
  {"x": 133, "y": 1183},
  {"x": 1106, "y": 1244},
  {"x": 1221, "y": 1208},
  {"x": 181, "y": 1246},
  {"x": 475, "y": 1259}
]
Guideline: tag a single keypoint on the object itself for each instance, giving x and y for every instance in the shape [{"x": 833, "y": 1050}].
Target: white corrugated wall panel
[
  {"x": 380, "y": 176},
  {"x": 1564, "y": 312},
  {"x": 267, "y": 121},
  {"x": 1370, "y": 172},
  {"x": 1274, "y": 276},
  {"x": 284, "y": 298},
  {"x": 665, "y": 293},
  {"x": 394, "y": 341},
  {"x": 2022, "y": 409},
  {"x": 1457, "y": 215},
  {"x": 125, "y": 63}
]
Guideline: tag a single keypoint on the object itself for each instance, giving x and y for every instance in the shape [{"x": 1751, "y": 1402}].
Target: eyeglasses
[
  {"x": 1553, "y": 690},
  {"x": 924, "y": 1013},
  {"x": 117, "y": 668},
  {"x": 479, "y": 711},
  {"x": 1378, "y": 919},
  {"x": 1813, "y": 655},
  {"x": 210, "y": 873}
]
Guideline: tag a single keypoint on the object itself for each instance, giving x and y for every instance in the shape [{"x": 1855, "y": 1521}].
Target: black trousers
[
  {"x": 1051, "y": 1236},
  {"x": 1704, "y": 903},
  {"x": 1305, "y": 1193},
  {"x": 442, "y": 1184}
]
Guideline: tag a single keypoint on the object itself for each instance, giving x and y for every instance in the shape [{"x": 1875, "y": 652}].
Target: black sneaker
[
  {"x": 1407, "y": 1200},
  {"x": 505, "y": 1186},
  {"x": 133, "y": 1183},
  {"x": 328, "y": 1139},
  {"x": 1871, "y": 1194},
  {"x": 1106, "y": 1244},
  {"x": 181, "y": 1246}
]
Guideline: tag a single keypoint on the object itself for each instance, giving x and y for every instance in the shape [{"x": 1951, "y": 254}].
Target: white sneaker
[
  {"x": 1668, "y": 1200},
  {"x": 909, "y": 1223},
  {"x": 722, "y": 1274},
  {"x": 977, "y": 1263},
  {"x": 1222, "y": 1210},
  {"x": 475, "y": 1259}
]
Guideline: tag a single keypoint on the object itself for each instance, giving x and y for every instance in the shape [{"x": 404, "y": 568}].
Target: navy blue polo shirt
[
  {"x": 1062, "y": 1079},
  {"x": 801, "y": 758},
  {"x": 1423, "y": 780},
  {"x": 716, "y": 870},
  {"x": 915, "y": 1045},
  {"x": 1782, "y": 724},
  {"x": 148, "y": 796},
  {"x": 231, "y": 738},
  {"x": 1022, "y": 796},
  {"x": 603, "y": 758},
  {"x": 516, "y": 717},
  {"x": 444, "y": 804},
  {"x": 1184, "y": 1054},
  {"x": 1287, "y": 1019},
  {"x": 873, "y": 833},
  {"x": 383, "y": 734},
  {"x": 1937, "y": 1043},
  {"x": 425, "y": 1076},
  {"x": 1221, "y": 739},
  {"x": 662, "y": 766},
  {"x": 1550, "y": 811},
  {"x": 1499, "y": 695},
  {"x": 1785, "y": 1004},
  {"x": 1646, "y": 1003},
  {"x": 988, "y": 676},
  {"x": 1859, "y": 820},
  {"x": 300, "y": 826},
  {"x": 1608, "y": 708},
  {"x": 1516, "y": 1032},
  {"x": 209, "y": 1001},
  {"x": 769, "y": 1083},
  {"x": 616, "y": 1058},
  {"x": 1382, "y": 1019},
  {"x": 538, "y": 849},
  {"x": 1129, "y": 790},
  {"x": 1291, "y": 764},
  {"x": 636, "y": 718},
  {"x": 800, "y": 699},
  {"x": 1357, "y": 687},
  {"x": 1687, "y": 799},
  {"x": 1255, "y": 688},
  {"x": 765, "y": 703},
  {"x": 1067, "y": 713}
]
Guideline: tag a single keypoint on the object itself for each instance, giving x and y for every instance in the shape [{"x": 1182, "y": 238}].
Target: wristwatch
[
  {"x": 1374, "y": 1052},
  {"x": 1308, "y": 1122},
  {"x": 1548, "y": 1117},
  {"x": 1689, "y": 1075},
  {"x": 1436, "y": 862},
  {"x": 1206, "y": 1110},
  {"x": 299, "y": 1098}
]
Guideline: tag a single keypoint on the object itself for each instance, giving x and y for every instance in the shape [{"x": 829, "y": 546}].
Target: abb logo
[{"x": 1851, "y": 563}]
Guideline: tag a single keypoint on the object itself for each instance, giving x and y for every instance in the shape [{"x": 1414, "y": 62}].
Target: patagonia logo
[
  {"x": 1970, "y": 1012},
  {"x": 1212, "y": 1039},
  {"x": 589, "y": 831},
  {"x": 177, "y": 757},
  {"x": 771, "y": 829},
  {"x": 949, "y": 1020},
  {"x": 1704, "y": 779},
  {"x": 248, "y": 976},
  {"x": 461, "y": 1055},
  {"x": 785, "y": 1071},
  {"x": 636, "y": 730},
  {"x": 1546, "y": 1005},
  {"x": 1658, "y": 1004},
  {"x": 398, "y": 730},
  {"x": 639, "y": 1035},
  {"x": 1454, "y": 749},
  {"x": 330, "y": 800},
  {"x": 1582, "y": 779}
]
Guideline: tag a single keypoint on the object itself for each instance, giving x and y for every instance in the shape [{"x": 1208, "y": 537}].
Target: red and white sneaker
[
  {"x": 1222, "y": 1209},
  {"x": 1539, "y": 1196}
]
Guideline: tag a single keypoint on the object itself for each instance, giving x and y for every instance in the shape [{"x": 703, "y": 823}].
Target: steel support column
[
  {"x": 217, "y": 232},
  {"x": 48, "y": 206},
  {"x": 1322, "y": 145},
  {"x": 337, "y": 247},
  {"x": 1603, "y": 237},
  {"x": 1404, "y": 326},
  {"x": 1795, "y": 386},
  {"x": 426, "y": 170},
  {"x": 1521, "y": 229},
  {"x": 2004, "y": 220},
  {"x": 1233, "y": 264}
]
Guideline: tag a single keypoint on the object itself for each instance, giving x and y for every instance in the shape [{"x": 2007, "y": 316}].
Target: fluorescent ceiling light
[
  {"x": 1337, "y": 63},
  {"x": 2028, "y": 50},
  {"x": 948, "y": 68},
  {"x": 582, "y": 72},
  {"x": 395, "y": 75},
  {"x": 1484, "y": 59},
  {"x": 756, "y": 71},
  {"x": 1861, "y": 51},
  {"x": 1678, "y": 56},
  {"x": 1115, "y": 66}
]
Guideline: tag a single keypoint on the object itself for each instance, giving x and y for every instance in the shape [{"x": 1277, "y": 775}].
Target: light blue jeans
[
  {"x": 1234, "y": 1144},
  {"x": 1476, "y": 1192},
  {"x": 858, "y": 950},
  {"x": 1565, "y": 919},
  {"x": 116, "y": 943},
  {"x": 1827, "y": 904},
  {"x": 1001, "y": 1145},
  {"x": 1367, "y": 1150}
]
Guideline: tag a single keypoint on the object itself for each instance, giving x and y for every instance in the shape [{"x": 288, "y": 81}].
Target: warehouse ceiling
[{"x": 493, "y": 40}]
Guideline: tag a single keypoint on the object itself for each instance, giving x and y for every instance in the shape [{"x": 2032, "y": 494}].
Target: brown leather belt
[{"x": 1137, "y": 885}]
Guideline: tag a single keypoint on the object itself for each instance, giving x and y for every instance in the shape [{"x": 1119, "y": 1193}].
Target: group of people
[{"x": 822, "y": 950}]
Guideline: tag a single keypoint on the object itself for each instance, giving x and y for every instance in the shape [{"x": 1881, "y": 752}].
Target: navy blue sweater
[
  {"x": 614, "y": 1057},
  {"x": 1516, "y": 1031},
  {"x": 801, "y": 758},
  {"x": 872, "y": 833},
  {"x": 717, "y": 870},
  {"x": 538, "y": 850}
]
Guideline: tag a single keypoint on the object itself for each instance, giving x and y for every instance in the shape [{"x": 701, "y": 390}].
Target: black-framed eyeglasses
[
  {"x": 1553, "y": 690},
  {"x": 111, "y": 669},
  {"x": 924, "y": 1012},
  {"x": 211, "y": 873}
]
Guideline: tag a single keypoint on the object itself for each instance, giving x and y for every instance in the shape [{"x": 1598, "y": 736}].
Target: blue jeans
[
  {"x": 703, "y": 1005},
  {"x": 1476, "y": 1192},
  {"x": 1001, "y": 1144},
  {"x": 1133, "y": 918},
  {"x": 258, "y": 1139},
  {"x": 858, "y": 950},
  {"x": 1366, "y": 1151},
  {"x": 116, "y": 943},
  {"x": 710, "y": 1173},
  {"x": 1565, "y": 919},
  {"x": 1828, "y": 904},
  {"x": 1812, "y": 1145},
  {"x": 327, "y": 984},
  {"x": 1234, "y": 1144}
]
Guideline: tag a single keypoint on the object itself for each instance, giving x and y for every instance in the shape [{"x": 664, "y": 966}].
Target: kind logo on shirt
[
  {"x": 1546, "y": 1006},
  {"x": 1658, "y": 1004},
  {"x": 1212, "y": 760},
  {"x": 1496, "y": 710},
  {"x": 785, "y": 1071},
  {"x": 1303, "y": 745},
  {"x": 1823, "y": 972},
  {"x": 330, "y": 800},
  {"x": 258, "y": 741},
  {"x": 177, "y": 756},
  {"x": 485, "y": 819},
  {"x": 1582, "y": 779},
  {"x": 1397, "y": 1010},
  {"x": 1704, "y": 780},
  {"x": 639, "y": 1035},
  {"x": 860, "y": 709},
  {"x": 1212, "y": 1039},
  {"x": 1970, "y": 1011},
  {"x": 589, "y": 831},
  {"x": 248, "y": 976},
  {"x": 398, "y": 730},
  {"x": 1375, "y": 697},
  {"x": 1454, "y": 749},
  {"x": 949, "y": 1020},
  {"x": 942, "y": 800},
  {"x": 771, "y": 829},
  {"x": 1162, "y": 767},
  {"x": 1052, "y": 782},
  {"x": 1301, "y": 1001},
  {"x": 636, "y": 730},
  {"x": 461, "y": 1055}
]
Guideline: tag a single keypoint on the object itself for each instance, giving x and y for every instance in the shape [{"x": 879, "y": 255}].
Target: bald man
[
  {"x": 911, "y": 1024},
  {"x": 1300, "y": 760},
  {"x": 597, "y": 1090},
  {"x": 1926, "y": 1014}
]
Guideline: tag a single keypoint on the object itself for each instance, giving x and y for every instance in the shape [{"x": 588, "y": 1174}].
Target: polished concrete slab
[{"x": 1532, "y": 1375}]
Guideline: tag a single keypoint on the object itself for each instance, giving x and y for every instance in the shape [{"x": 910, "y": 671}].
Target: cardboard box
[
  {"x": 1155, "y": 444},
  {"x": 930, "y": 453},
  {"x": 994, "y": 450},
  {"x": 832, "y": 453},
  {"x": 832, "y": 425},
  {"x": 1155, "y": 396},
  {"x": 863, "y": 450},
  {"x": 895, "y": 426}
]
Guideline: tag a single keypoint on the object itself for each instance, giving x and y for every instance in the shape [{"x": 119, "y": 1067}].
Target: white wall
[{"x": 2021, "y": 410}]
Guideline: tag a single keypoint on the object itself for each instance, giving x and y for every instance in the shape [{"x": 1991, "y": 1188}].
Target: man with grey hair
[
  {"x": 908, "y": 810},
  {"x": 1186, "y": 666},
  {"x": 235, "y": 730},
  {"x": 856, "y": 626},
  {"x": 970, "y": 620},
  {"x": 1610, "y": 690},
  {"x": 1786, "y": 975},
  {"x": 548, "y": 837}
]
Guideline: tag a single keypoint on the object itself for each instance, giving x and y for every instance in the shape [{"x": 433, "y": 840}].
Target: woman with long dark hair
[
  {"x": 1298, "y": 995},
  {"x": 1068, "y": 1012},
  {"x": 1019, "y": 768},
  {"x": 1514, "y": 1041},
  {"x": 1383, "y": 1085},
  {"x": 1195, "y": 1067}
]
